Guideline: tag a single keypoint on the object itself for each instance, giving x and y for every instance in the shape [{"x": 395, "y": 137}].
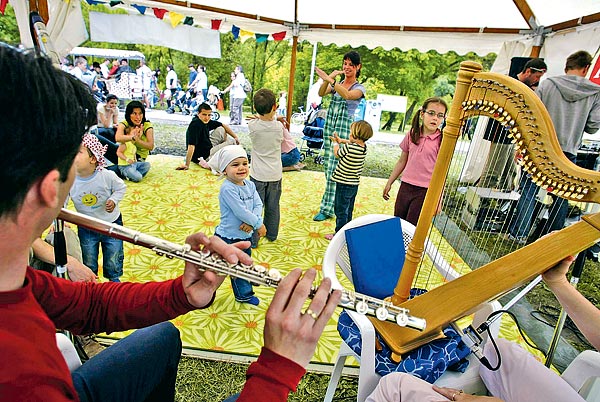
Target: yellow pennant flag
[
  {"x": 175, "y": 18},
  {"x": 245, "y": 35}
]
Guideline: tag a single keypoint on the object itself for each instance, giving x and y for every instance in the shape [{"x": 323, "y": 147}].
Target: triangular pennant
[
  {"x": 245, "y": 35},
  {"x": 94, "y": 2},
  {"x": 141, "y": 9},
  {"x": 235, "y": 31},
  {"x": 216, "y": 24},
  {"x": 188, "y": 20},
  {"x": 260, "y": 38},
  {"x": 176, "y": 18},
  {"x": 3, "y": 4},
  {"x": 160, "y": 13},
  {"x": 279, "y": 35},
  {"x": 115, "y": 3}
]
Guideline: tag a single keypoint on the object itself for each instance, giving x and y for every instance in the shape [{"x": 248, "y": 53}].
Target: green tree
[{"x": 9, "y": 30}]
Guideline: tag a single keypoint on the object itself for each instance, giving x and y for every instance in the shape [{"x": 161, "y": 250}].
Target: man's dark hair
[
  {"x": 110, "y": 97},
  {"x": 44, "y": 114},
  {"x": 204, "y": 106},
  {"x": 536, "y": 65},
  {"x": 264, "y": 100},
  {"x": 578, "y": 60},
  {"x": 129, "y": 110}
]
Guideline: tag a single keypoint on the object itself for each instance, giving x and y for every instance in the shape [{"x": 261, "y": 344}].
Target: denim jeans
[
  {"x": 344, "y": 204},
  {"x": 112, "y": 251},
  {"x": 242, "y": 289},
  {"x": 270, "y": 194},
  {"x": 136, "y": 171},
  {"x": 290, "y": 158},
  {"x": 140, "y": 367}
]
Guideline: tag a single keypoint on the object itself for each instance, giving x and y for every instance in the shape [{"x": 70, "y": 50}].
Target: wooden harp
[{"x": 522, "y": 113}]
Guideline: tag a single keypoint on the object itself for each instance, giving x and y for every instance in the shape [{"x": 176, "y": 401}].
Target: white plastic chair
[
  {"x": 336, "y": 255},
  {"x": 68, "y": 351}
]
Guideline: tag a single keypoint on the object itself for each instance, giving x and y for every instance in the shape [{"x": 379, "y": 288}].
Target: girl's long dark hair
[{"x": 417, "y": 124}]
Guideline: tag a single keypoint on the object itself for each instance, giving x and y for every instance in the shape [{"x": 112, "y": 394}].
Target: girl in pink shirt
[{"x": 419, "y": 153}]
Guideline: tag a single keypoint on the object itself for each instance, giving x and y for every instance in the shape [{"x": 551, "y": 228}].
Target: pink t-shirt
[
  {"x": 421, "y": 158},
  {"x": 288, "y": 142}
]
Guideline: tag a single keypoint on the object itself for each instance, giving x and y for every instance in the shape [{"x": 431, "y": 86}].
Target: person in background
[
  {"x": 136, "y": 128},
  {"x": 573, "y": 102},
  {"x": 192, "y": 75},
  {"x": 171, "y": 84},
  {"x": 35, "y": 303},
  {"x": 104, "y": 68},
  {"x": 290, "y": 155},
  {"x": 145, "y": 73},
  {"x": 417, "y": 159},
  {"x": 351, "y": 153},
  {"x": 266, "y": 134},
  {"x": 346, "y": 96},
  {"x": 238, "y": 95},
  {"x": 282, "y": 104},
  {"x": 202, "y": 82},
  {"x": 108, "y": 121}
]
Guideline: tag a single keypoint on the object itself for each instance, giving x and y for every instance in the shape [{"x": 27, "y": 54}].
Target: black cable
[
  {"x": 553, "y": 313},
  {"x": 514, "y": 318}
]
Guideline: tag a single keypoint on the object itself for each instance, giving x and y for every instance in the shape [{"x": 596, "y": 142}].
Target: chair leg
[{"x": 335, "y": 375}]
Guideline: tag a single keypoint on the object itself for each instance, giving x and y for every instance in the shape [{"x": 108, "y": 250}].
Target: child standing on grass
[
  {"x": 266, "y": 135},
  {"x": 241, "y": 209},
  {"x": 419, "y": 153},
  {"x": 347, "y": 173},
  {"x": 97, "y": 192}
]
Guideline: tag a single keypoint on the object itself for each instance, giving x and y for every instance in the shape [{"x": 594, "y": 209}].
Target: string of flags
[{"x": 177, "y": 18}]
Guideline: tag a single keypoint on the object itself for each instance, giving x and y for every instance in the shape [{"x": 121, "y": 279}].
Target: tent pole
[
  {"x": 290, "y": 95},
  {"x": 312, "y": 71}
]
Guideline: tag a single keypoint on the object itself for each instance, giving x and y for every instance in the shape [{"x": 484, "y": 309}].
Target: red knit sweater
[{"x": 33, "y": 369}]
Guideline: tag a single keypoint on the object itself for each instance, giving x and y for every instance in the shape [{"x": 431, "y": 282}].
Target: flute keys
[
  {"x": 274, "y": 274},
  {"x": 382, "y": 313},
  {"x": 362, "y": 307},
  {"x": 260, "y": 269},
  {"x": 402, "y": 319}
]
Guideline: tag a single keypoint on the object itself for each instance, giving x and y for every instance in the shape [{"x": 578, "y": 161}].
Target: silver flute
[{"x": 256, "y": 274}]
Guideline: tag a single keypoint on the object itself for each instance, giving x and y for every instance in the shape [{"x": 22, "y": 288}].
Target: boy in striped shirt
[{"x": 351, "y": 154}]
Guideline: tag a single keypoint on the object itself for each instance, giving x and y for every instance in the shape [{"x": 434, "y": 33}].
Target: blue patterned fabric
[{"x": 428, "y": 362}]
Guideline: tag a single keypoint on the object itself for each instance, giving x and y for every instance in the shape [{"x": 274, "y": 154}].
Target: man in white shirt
[
  {"x": 145, "y": 74},
  {"x": 104, "y": 68},
  {"x": 171, "y": 83}
]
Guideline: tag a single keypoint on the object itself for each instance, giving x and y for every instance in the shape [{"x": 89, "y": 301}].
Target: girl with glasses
[{"x": 417, "y": 159}]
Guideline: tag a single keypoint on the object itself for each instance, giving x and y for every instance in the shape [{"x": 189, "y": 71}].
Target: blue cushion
[{"x": 376, "y": 252}]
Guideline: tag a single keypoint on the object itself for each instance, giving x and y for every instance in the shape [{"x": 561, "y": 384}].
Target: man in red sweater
[{"x": 45, "y": 113}]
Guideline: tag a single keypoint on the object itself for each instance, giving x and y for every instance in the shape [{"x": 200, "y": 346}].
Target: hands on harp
[{"x": 212, "y": 263}]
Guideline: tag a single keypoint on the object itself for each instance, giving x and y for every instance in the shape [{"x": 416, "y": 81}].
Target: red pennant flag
[
  {"x": 215, "y": 24},
  {"x": 3, "y": 4},
  {"x": 279, "y": 35},
  {"x": 160, "y": 13}
]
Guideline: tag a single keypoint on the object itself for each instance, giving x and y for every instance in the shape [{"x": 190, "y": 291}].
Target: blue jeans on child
[
  {"x": 140, "y": 367},
  {"x": 290, "y": 158},
  {"x": 112, "y": 251},
  {"x": 136, "y": 171},
  {"x": 242, "y": 289},
  {"x": 344, "y": 204}
]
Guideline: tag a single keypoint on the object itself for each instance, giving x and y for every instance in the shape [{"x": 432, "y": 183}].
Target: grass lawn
[{"x": 202, "y": 380}]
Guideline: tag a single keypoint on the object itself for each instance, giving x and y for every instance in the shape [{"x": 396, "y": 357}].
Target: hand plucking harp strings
[{"x": 256, "y": 274}]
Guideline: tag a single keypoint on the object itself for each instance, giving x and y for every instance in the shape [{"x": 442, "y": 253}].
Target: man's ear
[{"x": 49, "y": 188}]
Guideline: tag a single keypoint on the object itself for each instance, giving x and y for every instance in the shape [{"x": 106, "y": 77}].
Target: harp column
[{"x": 438, "y": 178}]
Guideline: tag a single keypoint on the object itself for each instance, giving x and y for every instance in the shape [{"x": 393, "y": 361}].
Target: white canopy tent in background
[{"x": 549, "y": 28}]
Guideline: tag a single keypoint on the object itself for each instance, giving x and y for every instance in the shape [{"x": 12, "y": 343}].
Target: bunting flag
[
  {"x": 260, "y": 38},
  {"x": 188, "y": 20},
  {"x": 215, "y": 24},
  {"x": 235, "y": 31},
  {"x": 279, "y": 35},
  {"x": 159, "y": 13},
  {"x": 175, "y": 18},
  {"x": 94, "y": 2},
  {"x": 141, "y": 9},
  {"x": 3, "y": 4},
  {"x": 114, "y": 3},
  {"x": 245, "y": 35}
]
